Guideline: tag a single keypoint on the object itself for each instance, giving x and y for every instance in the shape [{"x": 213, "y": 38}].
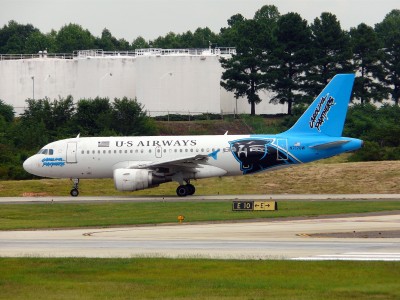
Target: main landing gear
[
  {"x": 185, "y": 189},
  {"x": 75, "y": 190}
]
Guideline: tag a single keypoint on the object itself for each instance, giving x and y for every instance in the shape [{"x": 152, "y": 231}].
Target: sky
[{"x": 150, "y": 19}]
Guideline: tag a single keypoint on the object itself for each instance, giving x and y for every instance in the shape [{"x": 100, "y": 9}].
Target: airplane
[{"x": 141, "y": 162}]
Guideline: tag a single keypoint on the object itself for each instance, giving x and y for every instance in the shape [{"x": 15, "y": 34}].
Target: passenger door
[{"x": 71, "y": 153}]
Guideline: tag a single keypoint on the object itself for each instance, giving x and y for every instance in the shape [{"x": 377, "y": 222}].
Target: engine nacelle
[{"x": 133, "y": 179}]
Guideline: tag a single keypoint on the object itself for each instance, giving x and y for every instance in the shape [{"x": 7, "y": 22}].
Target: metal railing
[
  {"x": 38, "y": 55},
  {"x": 138, "y": 52}
]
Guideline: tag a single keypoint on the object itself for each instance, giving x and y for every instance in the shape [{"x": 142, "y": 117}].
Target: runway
[{"x": 283, "y": 239}]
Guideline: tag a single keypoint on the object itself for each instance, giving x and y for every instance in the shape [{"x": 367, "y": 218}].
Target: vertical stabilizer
[{"x": 326, "y": 115}]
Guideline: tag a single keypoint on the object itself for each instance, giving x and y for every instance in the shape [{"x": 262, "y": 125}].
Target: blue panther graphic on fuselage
[{"x": 255, "y": 155}]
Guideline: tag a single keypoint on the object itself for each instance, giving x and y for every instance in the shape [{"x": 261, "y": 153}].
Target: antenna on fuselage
[{"x": 78, "y": 135}]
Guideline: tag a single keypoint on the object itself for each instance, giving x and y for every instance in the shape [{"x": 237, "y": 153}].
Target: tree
[
  {"x": 130, "y": 118},
  {"x": 139, "y": 43},
  {"x": 107, "y": 42},
  {"x": 93, "y": 116},
  {"x": 365, "y": 46},
  {"x": 243, "y": 74},
  {"x": 170, "y": 41},
  {"x": 123, "y": 45},
  {"x": 56, "y": 116},
  {"x": 73, "y": 37},
  {"x": 292, "y": 55},
  {"x": 331, "y": 52},
  {"x": 6, "y": 111},
  {"x": 228, "y": 35},
  {"x": 13, "y": 37},
  {"x": 38, "y": 41},
  {"x": 202, "y": 38},
  {"x": 268, "y": 15},
  {"x": 389, "y": 33}
]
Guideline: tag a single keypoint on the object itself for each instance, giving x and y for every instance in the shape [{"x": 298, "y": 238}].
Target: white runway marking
[{"x": 355, "y": 256}]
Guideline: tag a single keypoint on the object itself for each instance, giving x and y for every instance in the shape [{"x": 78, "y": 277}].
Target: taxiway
[{"x": 282, "y": 239}]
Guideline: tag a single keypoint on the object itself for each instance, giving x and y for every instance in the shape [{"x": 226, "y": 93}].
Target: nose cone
[{"x": 29, "y": 165}]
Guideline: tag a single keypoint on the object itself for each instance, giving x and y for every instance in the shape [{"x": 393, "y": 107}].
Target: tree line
[{"x": 280, "y": 53}]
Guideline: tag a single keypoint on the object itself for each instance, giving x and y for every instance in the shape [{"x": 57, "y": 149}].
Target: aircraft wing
[{"x": 187, "y": 162}]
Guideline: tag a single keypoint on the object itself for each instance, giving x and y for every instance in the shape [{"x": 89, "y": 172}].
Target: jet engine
[{"x": 136, "y": 179}]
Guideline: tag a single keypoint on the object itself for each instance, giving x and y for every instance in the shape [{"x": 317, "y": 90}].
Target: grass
[
  {"x": 158, "y": 278},
  {"x": 330, "y": 176},
  {"x": 140, "y": 278},
  {"x": 61, "y": 215}
]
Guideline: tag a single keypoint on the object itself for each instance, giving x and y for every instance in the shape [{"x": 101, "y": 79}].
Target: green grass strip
[
  {"x": 143, "y": 278},
  {"x": 60, "y": 215}
]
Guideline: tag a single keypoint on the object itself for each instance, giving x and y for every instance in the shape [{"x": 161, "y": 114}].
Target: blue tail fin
[{"x": 326, "y": 115}]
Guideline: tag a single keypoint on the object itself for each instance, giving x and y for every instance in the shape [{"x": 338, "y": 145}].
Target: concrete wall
[{"x": 162, "y": 83}]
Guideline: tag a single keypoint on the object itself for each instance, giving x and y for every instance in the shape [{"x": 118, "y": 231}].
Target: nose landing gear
[{"x": 75, "y": 190}]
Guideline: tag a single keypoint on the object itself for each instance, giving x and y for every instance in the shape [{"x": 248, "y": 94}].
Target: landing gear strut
[
  {"x": 75, "y": 190},
  {"x": 185, "y": 189}
]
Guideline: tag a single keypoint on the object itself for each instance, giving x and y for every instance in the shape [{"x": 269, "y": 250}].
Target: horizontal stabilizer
[{"x": 329, "y": 145}]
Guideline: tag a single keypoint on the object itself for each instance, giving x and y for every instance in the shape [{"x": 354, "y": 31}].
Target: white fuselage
[{"x": 94, "y": 157}]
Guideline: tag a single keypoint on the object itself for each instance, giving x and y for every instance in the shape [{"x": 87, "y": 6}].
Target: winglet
[{"x": 326, "y": 115}]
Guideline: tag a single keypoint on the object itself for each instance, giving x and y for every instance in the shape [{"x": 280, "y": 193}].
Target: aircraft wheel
[
  {"x": 182, "y": 191},
  {"x": 74, "y": 192},
  {"x": 191, "y": 189}
]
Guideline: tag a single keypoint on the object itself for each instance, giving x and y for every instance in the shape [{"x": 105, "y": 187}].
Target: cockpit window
[{"x": 46, "y": 151}]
